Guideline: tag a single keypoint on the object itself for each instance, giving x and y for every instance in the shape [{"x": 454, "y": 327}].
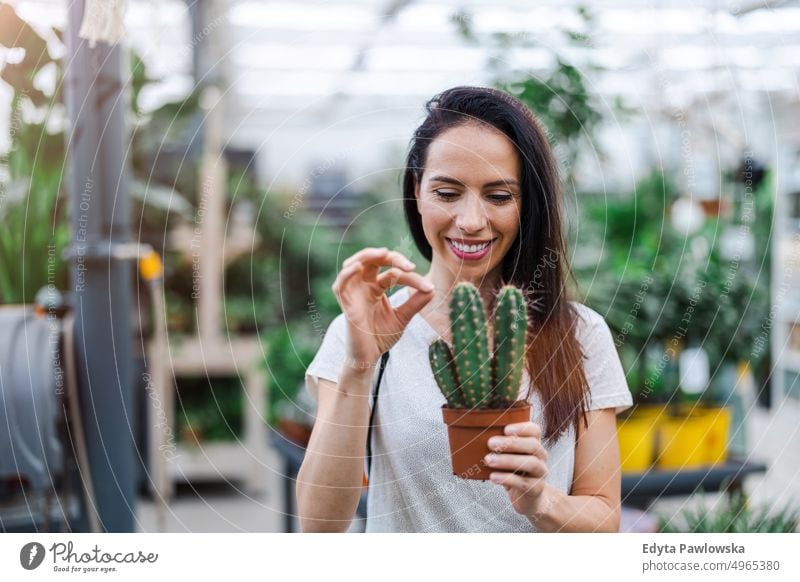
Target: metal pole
[{"x": 100, "y": 277}]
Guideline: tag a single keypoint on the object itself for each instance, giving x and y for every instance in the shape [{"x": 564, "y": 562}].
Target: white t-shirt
[{"x": 411, "y": 486}]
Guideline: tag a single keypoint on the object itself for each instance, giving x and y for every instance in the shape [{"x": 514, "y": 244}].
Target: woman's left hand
[{"x": 519, "y": 463}]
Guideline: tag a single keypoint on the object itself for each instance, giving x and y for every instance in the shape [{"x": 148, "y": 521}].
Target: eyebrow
[{"x": 449, "y": 180}]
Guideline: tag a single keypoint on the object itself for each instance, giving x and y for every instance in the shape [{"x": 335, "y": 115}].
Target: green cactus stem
[
  {"x": 444, "y": 371},
  {"x": 471, "y": 345},
  {"x": 467, "y": 375},
  {"x": 510, "y": 332}
]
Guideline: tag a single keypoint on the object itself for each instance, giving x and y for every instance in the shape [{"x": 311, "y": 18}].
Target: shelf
[
  {"x": 211, "y": 461},
  {"x": 242, "y": 459}
]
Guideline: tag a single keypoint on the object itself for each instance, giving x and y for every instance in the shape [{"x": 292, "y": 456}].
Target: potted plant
[{"x": 481, "y": 389}]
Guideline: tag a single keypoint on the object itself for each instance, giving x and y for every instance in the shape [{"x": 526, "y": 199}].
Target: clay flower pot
[{"x": 469, "y": 431}]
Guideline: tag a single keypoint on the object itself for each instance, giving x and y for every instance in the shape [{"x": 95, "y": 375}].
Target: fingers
[
  {"x": 395, "y": 276},
  {"x": 528, "y": 465},
  {"x": 344, "y": 275},
  {"x": 413, "y": 304},
  {"x": 368, "y": 262},
  {"x": 523, "y": 484},
  {"x": 365, "y": 254},
  {"x": 524, "y": 429},
  {"x": 375, "y": 258},
  {"x": 518, "y": 444}
]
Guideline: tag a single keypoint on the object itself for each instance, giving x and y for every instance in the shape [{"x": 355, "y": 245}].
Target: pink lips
[{"x": 470, "y": 256}]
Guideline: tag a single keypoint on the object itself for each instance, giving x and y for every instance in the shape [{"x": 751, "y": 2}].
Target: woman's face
[{"x": 469, "y": 198}]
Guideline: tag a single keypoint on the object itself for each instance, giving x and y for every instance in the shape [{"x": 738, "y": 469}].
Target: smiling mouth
[{"x": 469, "y": 251}]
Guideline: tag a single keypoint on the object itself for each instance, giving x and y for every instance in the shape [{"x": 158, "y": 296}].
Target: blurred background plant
[
  {"x": 625, "y": 250},
  {"x": 32, "y": 212},
  {"x": 33, "y": 205},
  {"x": 735, "y": 516},
  {"x": 657, "y": 286},
  {"x": 310, "y": 255},
  {"x": 204, "y": 414}
]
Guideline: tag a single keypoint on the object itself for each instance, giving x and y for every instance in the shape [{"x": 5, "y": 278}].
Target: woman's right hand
[{"x": 374, "y": 325}]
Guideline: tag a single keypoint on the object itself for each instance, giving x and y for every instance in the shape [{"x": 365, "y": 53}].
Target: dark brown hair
[{"x": 536, "y": 262}]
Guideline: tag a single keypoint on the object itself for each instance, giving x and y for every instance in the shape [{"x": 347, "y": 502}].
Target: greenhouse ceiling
[
  {"x": 285, "y": 54},
  {"x": 305, "y": 63}
]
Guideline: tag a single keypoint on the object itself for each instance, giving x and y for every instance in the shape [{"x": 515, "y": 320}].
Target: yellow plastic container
[
  {"x": 637, "y": 445},
  {"x": 717, "y": 438},
  {"x": 653, "y": 411},
  {"x": 696, "y": 438}
]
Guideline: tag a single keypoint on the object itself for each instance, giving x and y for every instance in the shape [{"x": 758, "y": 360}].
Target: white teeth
[{"x": 469, "y": 248}]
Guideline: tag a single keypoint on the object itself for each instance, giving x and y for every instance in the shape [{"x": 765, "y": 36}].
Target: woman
[{"x": 482, "y": 202}]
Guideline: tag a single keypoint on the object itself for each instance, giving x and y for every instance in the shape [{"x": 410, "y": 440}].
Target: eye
[
  {"x": 447, "y": 195},
  {"x": 500, "y": 197}
]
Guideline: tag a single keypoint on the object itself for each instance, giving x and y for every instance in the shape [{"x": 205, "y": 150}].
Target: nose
[{"x": 471, "y": 215}]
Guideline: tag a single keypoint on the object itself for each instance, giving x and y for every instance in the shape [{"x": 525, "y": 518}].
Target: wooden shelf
[
  {"x": 212, "y": 461},
  {"x": 243, "y": 460}
]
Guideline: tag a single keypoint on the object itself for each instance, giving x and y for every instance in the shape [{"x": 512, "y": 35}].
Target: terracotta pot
[{"x": 469, "y": 432}]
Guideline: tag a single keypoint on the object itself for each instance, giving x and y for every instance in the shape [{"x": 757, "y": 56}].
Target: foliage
[
  {"x": 634, "y": 276},
  {"x": 211, "y": 407},
  {"x": 562, "y": 102},
  {"x": 656, "y": 287},
  {"x": 309, "y": 259},
  {"x": 737, "y": 516},
  {"x": 290, "y": 349},
  {"x": 559, "y": 96},
  {"x": 32, "y": 204},
  {"x": 34, "y": 234}
]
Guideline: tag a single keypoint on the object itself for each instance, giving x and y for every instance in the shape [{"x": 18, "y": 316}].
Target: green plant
[
  {"x": 470, "y": 378},
  {"x": 560, "y": 96},
  {"x": 34, "y": 234},
  {"x": 210, "y": 408},
  {"x": 290, "y": 350},
  {"x": 737, "y": 516},
  {"x": 660, "y": 290}
]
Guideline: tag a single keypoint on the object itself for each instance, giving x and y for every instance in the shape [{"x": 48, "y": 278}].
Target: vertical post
[
  {"x": 101, "y": 282},
  {"x": 213, "y": 174}
]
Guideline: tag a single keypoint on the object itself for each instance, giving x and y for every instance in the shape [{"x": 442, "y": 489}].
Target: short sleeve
[
  {"x": 604, "y": 373},
  {"x": 328, "y": 360}
]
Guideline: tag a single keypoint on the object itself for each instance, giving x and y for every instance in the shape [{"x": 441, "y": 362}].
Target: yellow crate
[
  {"x": 637, "y": 446},
  {"x": 695, "y": 439}
]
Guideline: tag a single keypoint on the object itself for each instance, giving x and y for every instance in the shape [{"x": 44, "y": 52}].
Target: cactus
[
  {"x": 445, "y": 373},
  {"x": 509, "y": 343},
  {"x": 468, "y": 376},
  {"x": 470, "y": 344}
]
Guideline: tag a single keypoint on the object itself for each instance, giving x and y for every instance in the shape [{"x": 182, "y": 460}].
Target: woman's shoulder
[
  {"x": 589, "y": 320},
  {"x": 586, "y": 313}
]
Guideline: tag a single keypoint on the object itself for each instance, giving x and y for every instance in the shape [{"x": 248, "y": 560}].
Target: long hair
[{"x": 537, "y": 261}]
